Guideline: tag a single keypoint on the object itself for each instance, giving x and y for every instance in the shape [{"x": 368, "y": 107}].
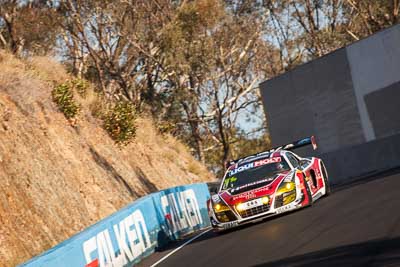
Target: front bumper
[{"x": 256, "y": 213}]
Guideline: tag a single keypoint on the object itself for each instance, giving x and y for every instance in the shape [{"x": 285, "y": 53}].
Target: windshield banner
[{"x": 254, "y": 165}]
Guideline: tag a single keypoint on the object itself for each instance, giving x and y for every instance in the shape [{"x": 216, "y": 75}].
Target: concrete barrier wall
[
  {"x": 343, "y": 98},
  {"x": 374, "y": 64},
  {"x": 316, "y": 98},
  {"x": 134, "y": 232},
  {"x": 348, "y": 99},
  {"x": 383, "y": 109},
  {"x": 360, "y": 160}
]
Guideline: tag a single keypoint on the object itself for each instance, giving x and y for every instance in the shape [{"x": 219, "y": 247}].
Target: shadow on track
[
  {"x": 365, "y": 179},
  {"x": 211, "y": 234},
  {"x": 336, "y": 188},
  {"x": 374, "y": 253}
]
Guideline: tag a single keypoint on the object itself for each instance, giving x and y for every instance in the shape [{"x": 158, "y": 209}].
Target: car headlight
[
  {"x": 220, "y": 207},
  {"x": 240, "y": 207},
  {"x": 288, "y": 184},
  {"x": 286, "y": 192},
  {"x": 265, "y": 200}
]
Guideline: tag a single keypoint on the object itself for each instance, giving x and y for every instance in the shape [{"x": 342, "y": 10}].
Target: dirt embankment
[{"x": 57, "y": 179}]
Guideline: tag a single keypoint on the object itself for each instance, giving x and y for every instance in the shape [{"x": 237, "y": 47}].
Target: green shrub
[
  {"x": 165, "y": 127},
  {"x": 81, "y": 86},
  {"x": 63, "y": 96},
  {"x": 120, "y": 122}
]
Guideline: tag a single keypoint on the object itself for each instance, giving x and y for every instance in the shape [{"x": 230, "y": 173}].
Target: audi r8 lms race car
[{"x": 266, "y": 184}]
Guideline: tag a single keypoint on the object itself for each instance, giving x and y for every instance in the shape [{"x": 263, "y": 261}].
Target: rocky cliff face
[{"x": 57, "y": 179}]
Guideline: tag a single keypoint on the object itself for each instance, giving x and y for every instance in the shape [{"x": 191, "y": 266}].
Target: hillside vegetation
[
  {"x": 59, "y": 176},
  {"x": 193, "y": 65}
]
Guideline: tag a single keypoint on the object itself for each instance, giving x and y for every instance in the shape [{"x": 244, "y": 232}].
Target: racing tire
[
  {"x": 309, "y": 204},
  {"x": 326, "y": 180},
  {"x": 218, "y": 231}
]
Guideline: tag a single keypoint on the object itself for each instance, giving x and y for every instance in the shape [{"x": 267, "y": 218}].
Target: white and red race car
[{"x": 267, "y": 184}]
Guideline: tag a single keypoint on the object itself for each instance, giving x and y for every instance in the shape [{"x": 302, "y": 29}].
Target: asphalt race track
[{"x": 357, "y": 225}]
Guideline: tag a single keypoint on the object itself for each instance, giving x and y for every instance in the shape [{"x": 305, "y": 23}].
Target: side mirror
[{"x": 303, "y": 162}]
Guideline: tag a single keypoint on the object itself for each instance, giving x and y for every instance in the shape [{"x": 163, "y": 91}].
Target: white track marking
[{"x": 178, "y": 248}]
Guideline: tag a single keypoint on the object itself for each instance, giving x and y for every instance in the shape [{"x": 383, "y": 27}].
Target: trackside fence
[{"x": 134, "y": 232}]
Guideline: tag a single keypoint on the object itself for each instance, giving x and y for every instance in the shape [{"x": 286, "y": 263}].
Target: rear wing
[
  {"x": 299, "y": 143},
  {"x": 294, "y": 145}
]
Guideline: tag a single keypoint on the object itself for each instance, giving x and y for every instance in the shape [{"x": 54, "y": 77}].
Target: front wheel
[
  {"x": 307, "y": 194},
  {"x": 326, "y": 180},
  {"x": 310, "y": 202}
]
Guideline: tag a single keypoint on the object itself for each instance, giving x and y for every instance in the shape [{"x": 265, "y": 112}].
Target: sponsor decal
[
  {"x": 215, "y": 198},
  {"x": 250, "y": 195},
  {"x": 254, "y": 164},
  {"x": 241, "y": 168},
  {"x": 267, "y": 161},
  {"x": 285, "y": 208},
  {"x": 187, "y": 216},
  {"x": 289, "y": 177},
  {"x": 132, "y": 240},
  {"x": 252, "y": 204},
  {"x": 229, "y": 225},
  {"x": 288, "y": 194},
  {"x": 229, "y": 180},
  {"x": 251, "y": 184},
  {"x": 261, "y": 189}
]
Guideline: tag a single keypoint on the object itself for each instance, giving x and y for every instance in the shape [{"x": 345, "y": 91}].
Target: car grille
[
  {"x": 254, "y": 211},
  {"x": 278, "y": 201},
  {"x": 285, "y": 198},
  {"x": 225, "y": 216}
]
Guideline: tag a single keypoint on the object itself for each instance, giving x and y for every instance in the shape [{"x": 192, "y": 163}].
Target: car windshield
[{"x": 254, "y": 171}]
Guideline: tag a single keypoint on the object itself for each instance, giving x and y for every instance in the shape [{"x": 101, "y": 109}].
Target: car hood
[{"x": 254, "y": 190}]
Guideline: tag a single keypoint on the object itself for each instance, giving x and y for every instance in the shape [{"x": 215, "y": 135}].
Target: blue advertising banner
[
  {"x": 182, "y": 210},
  {"x": 134, "y": 232}
]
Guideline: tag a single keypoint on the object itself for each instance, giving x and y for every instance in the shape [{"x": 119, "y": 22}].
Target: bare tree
[
  {"x": 28, "y": 27},
  {"x": 118, "y": 41}
]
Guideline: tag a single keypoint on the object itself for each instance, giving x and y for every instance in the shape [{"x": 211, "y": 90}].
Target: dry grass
[
  {"x": 94, "y": 103},
  {"x": 56, "y": 179},
  {"x": 195, "y": 167},
  {"x": 41, "y": 68},
  {"x": 47, "y": 69},
  {"x": 10, "y": 63}
]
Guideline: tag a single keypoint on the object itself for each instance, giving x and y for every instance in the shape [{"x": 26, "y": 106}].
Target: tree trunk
[{"x": 195, "y": 130}]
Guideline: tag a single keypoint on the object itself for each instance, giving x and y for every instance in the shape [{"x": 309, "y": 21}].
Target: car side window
[
  {"x": 293, "y": 160},
  {"x": 304, "y": 163}
]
